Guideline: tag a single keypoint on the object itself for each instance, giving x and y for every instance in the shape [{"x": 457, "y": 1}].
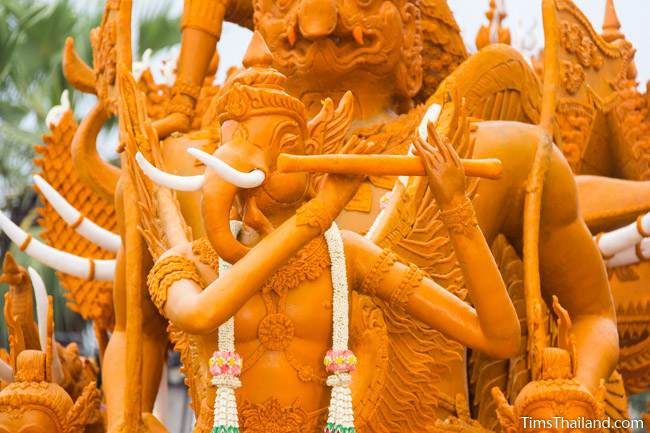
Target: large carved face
[
  {"x": 556, "y": 405},
  {"x": 557, "y": 416},
  {"x": 327, "y": 42},
  {"x": 27, "y": 420}
]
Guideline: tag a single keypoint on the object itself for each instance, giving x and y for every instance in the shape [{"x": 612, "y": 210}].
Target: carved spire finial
[
  {"x": 611, "y": 24},
  {"x": 494, "y": 32},
  {"x": 258, "y": 53},
  {"x": 491, "y": 11}
]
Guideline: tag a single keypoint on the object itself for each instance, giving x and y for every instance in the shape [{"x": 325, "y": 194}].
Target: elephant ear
[{"x": 327, "y": 130}]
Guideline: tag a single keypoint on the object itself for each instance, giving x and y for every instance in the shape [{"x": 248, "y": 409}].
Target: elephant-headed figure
[
  {"x": 33, "y": 404},
  {"x": 259, "y": 122}
]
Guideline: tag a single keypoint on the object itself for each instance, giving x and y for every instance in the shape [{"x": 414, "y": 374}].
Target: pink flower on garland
[
  {"x": 222, "y": 363},
  {"x": 340, "y": 361}
]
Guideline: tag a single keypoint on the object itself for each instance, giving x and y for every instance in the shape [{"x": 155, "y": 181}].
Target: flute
[{"x": 379, "y": 165}]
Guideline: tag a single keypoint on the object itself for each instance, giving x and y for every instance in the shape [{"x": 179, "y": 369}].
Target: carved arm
[
  {"x": 492, "y": 326},
  {"x": 201, "y": 28},
  {"x": 572, "y": 268},
  {"x": 200, "y": 311}
]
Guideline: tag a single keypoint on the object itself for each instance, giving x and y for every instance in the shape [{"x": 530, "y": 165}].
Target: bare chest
[{"x": 274, "y": 319}]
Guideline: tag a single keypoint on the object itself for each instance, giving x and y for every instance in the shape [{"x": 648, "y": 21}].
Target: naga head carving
[{"x": 336, "y": 41}]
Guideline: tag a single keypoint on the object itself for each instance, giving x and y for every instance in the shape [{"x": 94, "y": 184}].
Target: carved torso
[{"x": 282, "y": 334}]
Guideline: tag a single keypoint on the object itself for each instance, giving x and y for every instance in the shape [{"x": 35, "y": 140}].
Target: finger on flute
[{"x": 379, "y": 165}]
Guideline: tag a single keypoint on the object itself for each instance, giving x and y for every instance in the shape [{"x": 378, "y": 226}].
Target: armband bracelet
[
  {"x": 377, "y": 272},
  {"x": 411, "y": 280},
  {"x": 182, "y": 106},
  {"x": 639, "y": 227},
  {"x": 460, "y": 219},
  {"x": 202, "y": 248},
  {"x": 639, "y": 253},
  {"x": 597, "y": 240},
  {"x": 184, "y": 88},
  {"x": 165, "y": 273}
]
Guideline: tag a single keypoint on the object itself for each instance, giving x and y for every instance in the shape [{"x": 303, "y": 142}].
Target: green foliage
[
  {"x": 32, "y": 37},
  {"x": 157, "y": 29}
]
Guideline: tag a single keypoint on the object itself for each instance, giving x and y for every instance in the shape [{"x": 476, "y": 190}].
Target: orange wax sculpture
[{"x": 218, "y": 232}]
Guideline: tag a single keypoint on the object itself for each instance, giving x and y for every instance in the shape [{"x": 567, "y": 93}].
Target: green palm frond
[
  {"x": 32, "y": 37},
  {"x": 157, "y": 29}
]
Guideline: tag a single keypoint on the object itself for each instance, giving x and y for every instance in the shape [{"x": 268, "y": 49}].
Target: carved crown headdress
[
  {"x": 258, "y": 89},
  {"x": 32, "y": 389}
]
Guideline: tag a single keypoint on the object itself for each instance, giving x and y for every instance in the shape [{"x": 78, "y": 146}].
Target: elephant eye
[{"x": 289, "y": 143}]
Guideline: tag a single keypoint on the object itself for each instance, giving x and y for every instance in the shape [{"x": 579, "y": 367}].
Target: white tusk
[
  {"x": 94, "y": 269},
  {"x": 86, "y": 228},
  {"x": 617, "y": 240},
  {"x": 231, "y": 175},
  {"x": 56, "y": 113},
  {"x": 631, "y": 255},
  {"x": 40, "y": 294},
  {"x": 172, "y": 181},
  {"x": 42, "y": 307}
]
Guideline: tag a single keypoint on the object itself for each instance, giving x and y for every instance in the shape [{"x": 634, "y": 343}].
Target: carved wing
[
  {"x": 496, "y": 83},
  {"x": 92, "y": 299},
  {"x": 411, "y": 228},
  {"x": 509, "y": 375},
  {"x": 162, "y": 223},
  {"x": 582, "y": 76}
]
